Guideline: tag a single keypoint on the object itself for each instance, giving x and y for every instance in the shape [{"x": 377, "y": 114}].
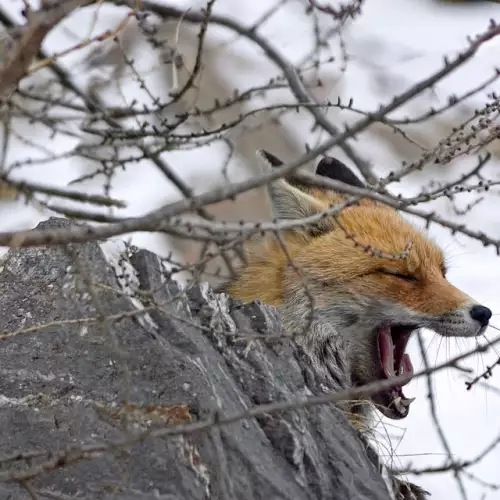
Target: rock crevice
[{"x": 97, "y": 344}]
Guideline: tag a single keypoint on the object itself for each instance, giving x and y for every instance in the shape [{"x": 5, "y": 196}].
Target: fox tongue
[
  {"x": 386, "y": 347},
  {"x": 394, "y": 361},
  {"x": 387, "y": 350}
]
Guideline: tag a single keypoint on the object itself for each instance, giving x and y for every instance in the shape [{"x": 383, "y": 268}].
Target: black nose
[{"x": 481, "y": 314}]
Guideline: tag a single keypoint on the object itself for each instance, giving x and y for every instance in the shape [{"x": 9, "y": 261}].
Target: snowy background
[{"x": 393, "y": 44}]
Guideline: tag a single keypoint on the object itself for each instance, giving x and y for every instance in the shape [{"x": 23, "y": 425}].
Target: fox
[{"x": 372, "y": 277}]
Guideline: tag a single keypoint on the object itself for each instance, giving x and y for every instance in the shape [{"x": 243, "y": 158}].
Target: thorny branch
[
  {"x": 28, "y": 40},
  {"x": 342, "y": 12},
  {"x": 138, "y": 132},
  {"x": 435, "y": 418},
  {"x": 88, "y": 452}
]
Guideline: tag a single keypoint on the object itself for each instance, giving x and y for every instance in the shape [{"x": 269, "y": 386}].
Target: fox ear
[
  {"x": 289, "y": 202},
  {"x": 334, "y": 169}
]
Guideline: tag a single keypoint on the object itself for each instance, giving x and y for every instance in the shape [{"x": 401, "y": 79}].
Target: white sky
[{"x": 403, "y": 40}]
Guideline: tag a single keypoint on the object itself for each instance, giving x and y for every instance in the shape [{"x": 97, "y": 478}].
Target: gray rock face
[{"x": 98, "y": 347}]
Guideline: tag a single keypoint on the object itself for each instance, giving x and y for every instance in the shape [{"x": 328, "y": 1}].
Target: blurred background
[{"x": 350, "y": 66}]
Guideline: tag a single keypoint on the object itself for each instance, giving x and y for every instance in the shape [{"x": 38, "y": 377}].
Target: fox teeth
[
  {"x": 407, "y": 401},
  {"x": 396, "y": 402},
  {"x": 400, "y": 403}
]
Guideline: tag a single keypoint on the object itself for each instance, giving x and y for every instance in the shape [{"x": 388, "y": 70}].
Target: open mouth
[{"x": 394, "y": 361}]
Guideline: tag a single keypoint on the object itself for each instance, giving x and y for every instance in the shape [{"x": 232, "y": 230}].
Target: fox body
[{"x": 371, "y": 277}]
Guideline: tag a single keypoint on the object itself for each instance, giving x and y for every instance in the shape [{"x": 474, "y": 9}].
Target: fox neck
[
  {"x": 329, "y": 344},
  {"x": 331, "y": 351}
]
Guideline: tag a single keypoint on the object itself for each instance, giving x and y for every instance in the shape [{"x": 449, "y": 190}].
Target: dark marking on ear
[
  {"x": 274, "y": 161},
  {"x": 334, "y": 169}
]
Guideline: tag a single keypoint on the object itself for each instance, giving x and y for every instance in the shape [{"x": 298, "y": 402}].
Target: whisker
[
  {"x": 484, "y": 368},
  {"x": 480, "y": 359},
  {"x": 493, "y": 346},
  {"x": 440, "y": 343}
]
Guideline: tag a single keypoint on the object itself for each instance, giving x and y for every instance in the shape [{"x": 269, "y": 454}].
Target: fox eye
[{"x": 405, "y": 277}]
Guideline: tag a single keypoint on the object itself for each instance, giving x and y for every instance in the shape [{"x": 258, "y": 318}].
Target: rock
[{"x": 99, "y": 347}]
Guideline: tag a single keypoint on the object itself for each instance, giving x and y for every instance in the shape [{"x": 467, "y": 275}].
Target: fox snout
[
  {"x": 470, "y": 320},
  {"x": 481, "y": 314}
]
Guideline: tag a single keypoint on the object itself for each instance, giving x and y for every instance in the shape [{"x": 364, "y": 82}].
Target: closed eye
[{"x": 406, "y": 277}]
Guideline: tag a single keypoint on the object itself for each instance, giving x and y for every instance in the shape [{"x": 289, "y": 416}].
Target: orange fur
[{"x": 336, "y": 259}]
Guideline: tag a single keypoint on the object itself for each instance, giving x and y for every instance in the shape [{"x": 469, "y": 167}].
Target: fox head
[{"x": 372, "y": 276}]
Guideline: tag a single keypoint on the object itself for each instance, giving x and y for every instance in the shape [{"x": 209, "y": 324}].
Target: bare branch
[{"x": 29, "y": 40}]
